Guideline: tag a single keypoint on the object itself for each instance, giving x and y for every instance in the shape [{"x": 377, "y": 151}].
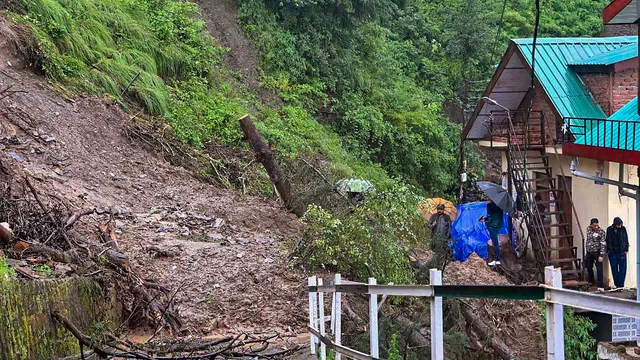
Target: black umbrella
[{"x": 498, "y": 195}]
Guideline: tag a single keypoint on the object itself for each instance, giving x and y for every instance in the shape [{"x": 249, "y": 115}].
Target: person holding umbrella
[
  {"x": 494, "y": 221},
  {"x": 499, "y": 201},
  {"x": 440, "y": 224}
]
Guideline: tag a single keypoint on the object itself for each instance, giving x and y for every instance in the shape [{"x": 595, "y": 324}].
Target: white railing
[{"x": 552, "y": 293}]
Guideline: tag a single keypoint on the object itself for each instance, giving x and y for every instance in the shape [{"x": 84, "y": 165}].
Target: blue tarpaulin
[{"x": 470, "y": 235}]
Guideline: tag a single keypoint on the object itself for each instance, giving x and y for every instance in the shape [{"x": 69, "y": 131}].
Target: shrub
[{"x": 372, "y": 241}]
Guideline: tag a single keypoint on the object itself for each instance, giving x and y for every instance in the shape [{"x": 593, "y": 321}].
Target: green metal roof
[
  {"x": 628, "y": 112},
  {"x": 612, "y": 57},
  {"x": 564, "y": 87},
  {"x": 620, "y": 131}
]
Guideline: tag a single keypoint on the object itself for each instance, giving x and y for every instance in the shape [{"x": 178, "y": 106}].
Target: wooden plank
[
  {"x": 338, "y": 316},
  {"x": 354, "y": 354},
  {"x": 373, "y": 321},
  {"x": 511, "y": 292},
  {"x": 312, "y": 307},
  {"x": 555, "y": 325},
  {"x": 437, "y": 330},
  {"x": 323, "y": 346}
]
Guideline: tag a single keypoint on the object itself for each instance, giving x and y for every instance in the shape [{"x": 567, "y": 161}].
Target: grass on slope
[{"x": 102, "y": 46}]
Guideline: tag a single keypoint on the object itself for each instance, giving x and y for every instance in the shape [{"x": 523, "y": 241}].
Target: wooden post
[
  {"x": 373, "y": 322},
  {"x": 312, "y": 308},
  {"x": 437, "y": 332},
  {"x": 266, "y": 157},
  {"x": 323, "y": 346},
  {"x": 555, "y": 321},
  {"x": 338, "y": 317},
  {"x": 333, "y": 313}
]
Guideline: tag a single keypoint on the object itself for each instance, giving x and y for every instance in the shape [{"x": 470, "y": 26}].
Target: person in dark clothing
[
  {"x": 440, "y": 223},
  {"x": 617, "y": 248},
  {"x": 494, "y": 221},
  {"x": 595, "y": 248}
]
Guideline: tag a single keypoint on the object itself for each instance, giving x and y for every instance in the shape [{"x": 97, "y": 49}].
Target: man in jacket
[
  {"x": 595, "y": 247},
  {"x": 617, "y": 248},
  {"x": 440, "y": 224},
  {"x": 494, "y": 221}
]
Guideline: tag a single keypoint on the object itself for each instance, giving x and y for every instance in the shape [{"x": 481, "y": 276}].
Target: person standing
[
  {"x": 595, "y": 248},
  {"x": 494, "y": 221},
  {"x": 440, "y": 224},
  {"x": 617, "y": 248}
]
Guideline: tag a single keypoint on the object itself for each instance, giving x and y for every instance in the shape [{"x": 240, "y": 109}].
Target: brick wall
[
  {"x": 540, "y": 103},
  {"x": 625, "y": 88},
  {"x": 598, "y": 86}
]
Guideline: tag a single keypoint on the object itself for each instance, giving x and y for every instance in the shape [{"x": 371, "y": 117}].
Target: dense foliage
[
  {"x": 373, "y": 241},
  {"x": 578, "y": 343},
  {"x": 394, "y": 69}
]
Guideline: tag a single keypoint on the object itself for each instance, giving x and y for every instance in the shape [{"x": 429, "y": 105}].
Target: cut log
[
  {"x": 54, "y": 254},
  {"x": 266, "y": 157},
  {"x": 486, "y": 333},
  {"x": 415, "y": 338}
]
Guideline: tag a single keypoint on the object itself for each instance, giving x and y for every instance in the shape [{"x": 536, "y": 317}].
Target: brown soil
[
  {"x": 221, "y": 19},
  {"x": 226, "y": 249},
  {"x": 518, "y": 322}
]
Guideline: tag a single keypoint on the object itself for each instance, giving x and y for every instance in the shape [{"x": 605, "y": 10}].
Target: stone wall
[{"x": 27, "y": 331}]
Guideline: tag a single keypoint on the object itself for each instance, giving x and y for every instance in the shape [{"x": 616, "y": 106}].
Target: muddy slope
[{"x": 221, "y": 249}]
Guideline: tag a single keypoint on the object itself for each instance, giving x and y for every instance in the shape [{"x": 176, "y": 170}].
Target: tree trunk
[
  {"x": 486, "y": 333},
  {"x": 266, "y": 157}
]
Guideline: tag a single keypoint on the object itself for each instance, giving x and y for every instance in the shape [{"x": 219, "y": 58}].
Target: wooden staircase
[{"x": 549, "y": 229}]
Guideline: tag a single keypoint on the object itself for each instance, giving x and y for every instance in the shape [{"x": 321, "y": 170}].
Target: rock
[
  {"x": 15, "y": 156},
  {"x": 5, "y": 233},
  {"x": 215, "y": 236},
  {"x": 269, "y": 260},
  {"x": 162, "y": 228},
  {"x": 240, "y": 255},
  {"x": 218, "y": 223},
  {"x": 62, "y": 270},
  {"x": 184, "y": 231},
  {"x": 58, "y": 178},
  {"x": 47, "y": 138}
]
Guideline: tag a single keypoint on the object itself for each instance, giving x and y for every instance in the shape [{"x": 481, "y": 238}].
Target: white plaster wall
[{"x": 625, "y": 208}]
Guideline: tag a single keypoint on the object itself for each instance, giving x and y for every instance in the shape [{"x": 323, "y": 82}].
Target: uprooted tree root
[
  {"x": 45, "y": 229},
  {"x": 241, "y": 346}
]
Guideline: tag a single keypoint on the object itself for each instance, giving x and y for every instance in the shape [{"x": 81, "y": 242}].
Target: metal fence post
[
  {"x": 323, "y": 347},
  {"x": 373, "y": 321},
  {"x": 555, "y": 321},
  {"x": 437, "y": 332},
  {"x": 312, "y": 308},
  {"x": 338, "y": 317}
]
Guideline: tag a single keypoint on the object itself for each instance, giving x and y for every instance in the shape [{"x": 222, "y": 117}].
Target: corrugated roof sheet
[
  {"x": 564, "y": 87},
  {"x": 620, "y": 131},
  {"x": 612, "y": 57}
]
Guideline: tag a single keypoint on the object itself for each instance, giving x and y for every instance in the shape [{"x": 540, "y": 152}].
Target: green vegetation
[
  {"x": 6, "y": 271},
  {"x": 394, "y": 348},
  {"x": 29, "y": 331},
  {"x": 43, "y": 269},
  {"x": 578, "y": 344},
  {"x": 373, "y": 241}
]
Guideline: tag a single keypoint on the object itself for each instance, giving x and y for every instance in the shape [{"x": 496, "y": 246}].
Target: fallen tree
[
  {"x": 241, "y": 346},
  {"x": 266, "y": 157}
]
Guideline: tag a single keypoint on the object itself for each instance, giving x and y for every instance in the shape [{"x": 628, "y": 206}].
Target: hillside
[
  {"x": 132, "y": 106},
  {"x": 227, "y": 247}
]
